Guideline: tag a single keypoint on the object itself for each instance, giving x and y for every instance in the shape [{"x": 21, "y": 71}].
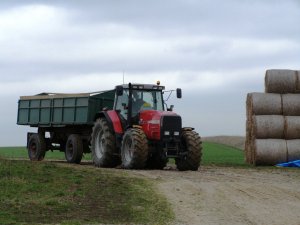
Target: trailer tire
[
  {"x": 36, "y": 147},
  {"x": 192, "y": 145},
  {"x": 74, "y": 149},
  {"x": 103, "y": 145},
  {"x": 134, "y": 150}
]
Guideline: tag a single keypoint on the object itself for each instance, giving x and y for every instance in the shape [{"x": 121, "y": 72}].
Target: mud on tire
[
  {"x": 134, "y": 150},
  {"x": 103, "y": 145},
  {"x": 192, "y": 145},
  {"x": 36, "y": 147}
]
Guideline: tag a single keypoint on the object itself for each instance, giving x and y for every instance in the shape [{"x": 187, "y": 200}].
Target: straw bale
[
  {"x": 268, "y": 126},
  {"x": 270, "y": 151},
  {"x": 249, "y": 153},
  {"x": 247, "y": 150},
  {"x": 292, "y": 127},
  {"x": 263, "y": 104},
  {"x": 281, "y": 81},
  {"x": 291, "y": 104},
  {"x": 293, "y": 150}
]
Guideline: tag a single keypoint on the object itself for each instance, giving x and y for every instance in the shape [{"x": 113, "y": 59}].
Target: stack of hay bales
[{"x": 273, "y": 120}]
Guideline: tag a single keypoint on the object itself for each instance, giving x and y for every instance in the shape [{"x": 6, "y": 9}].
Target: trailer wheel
[
  {"x": 103, "y": 145},
  {"x": 74, "y": 149},
  {"x": 134, "y": 150},
  {"x": 36, "y": 147},
  {"x": 192, "y": 145}
]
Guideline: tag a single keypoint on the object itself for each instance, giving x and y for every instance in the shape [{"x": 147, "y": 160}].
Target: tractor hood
[{"x": 155, "y": 123}]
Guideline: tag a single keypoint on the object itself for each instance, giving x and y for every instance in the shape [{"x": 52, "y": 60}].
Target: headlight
[
  {"x": 167, "y": 133},
  {"x": 176, "y": 133}
]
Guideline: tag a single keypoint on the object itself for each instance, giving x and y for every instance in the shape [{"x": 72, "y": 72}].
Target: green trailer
[{"x": 61, "y": 119}]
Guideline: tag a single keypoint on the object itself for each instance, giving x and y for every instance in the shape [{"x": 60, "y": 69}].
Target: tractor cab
[{"x": 131, "y": 99}]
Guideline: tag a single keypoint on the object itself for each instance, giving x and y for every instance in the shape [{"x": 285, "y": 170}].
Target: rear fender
[{"x": 113, "y": 120}]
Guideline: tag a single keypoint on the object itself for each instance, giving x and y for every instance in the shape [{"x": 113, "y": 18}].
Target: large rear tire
[
  {"x": 103, "y": 145},
  {"x": 192, "y": 145},
  {"x": 36, "y": 147},
  {"x": 134, "y": 150},
  {"x": 74, "y": 149}
]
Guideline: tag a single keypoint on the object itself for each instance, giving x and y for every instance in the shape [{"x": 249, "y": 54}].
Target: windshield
[
  {"x": 147, "y": 99},
  {"x": 141, "y": 100}
]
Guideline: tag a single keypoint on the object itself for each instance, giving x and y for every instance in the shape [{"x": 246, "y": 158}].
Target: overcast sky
[{"x": 216, "y": 51}]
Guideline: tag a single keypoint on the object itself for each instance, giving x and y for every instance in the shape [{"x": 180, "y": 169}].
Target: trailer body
[{"x": 61, "y": 110}]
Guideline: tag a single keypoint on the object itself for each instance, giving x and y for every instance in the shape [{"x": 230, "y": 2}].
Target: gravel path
[{"x": 224, "y": 195}]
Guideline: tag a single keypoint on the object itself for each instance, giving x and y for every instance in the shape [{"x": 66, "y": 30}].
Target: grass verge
[{"x": 52, "y": 193}]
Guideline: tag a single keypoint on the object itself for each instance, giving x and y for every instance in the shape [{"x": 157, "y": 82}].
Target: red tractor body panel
[
  {"x": 150, "y": 120},
  {"x": 115, "y": 121}
]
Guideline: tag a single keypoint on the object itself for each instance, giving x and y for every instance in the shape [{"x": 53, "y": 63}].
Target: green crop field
[{"x": 222, "y": 155}]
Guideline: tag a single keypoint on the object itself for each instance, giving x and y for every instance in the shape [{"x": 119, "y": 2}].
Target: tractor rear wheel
[
  {"x": 36, "y": 147},
  {"x": 74, "y": 149},
  {"x": 192, "y": 145},
  {"x": 103, "y": 145},
  {"x": 134, "y": 150}
]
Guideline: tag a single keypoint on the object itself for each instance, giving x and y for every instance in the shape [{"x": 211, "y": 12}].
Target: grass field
[
  {"x": 21, "y": 153},
  {"x": 59, "y": 193},
  {"x": 213, "y": 154}
]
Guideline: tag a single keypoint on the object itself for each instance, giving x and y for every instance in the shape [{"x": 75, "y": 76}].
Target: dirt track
[{"x": 223, "y": 195}]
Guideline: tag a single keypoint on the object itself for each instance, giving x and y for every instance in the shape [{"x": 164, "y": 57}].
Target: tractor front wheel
[
  {"x": 134, "y": 150},
  {"x": 191, "y": 145}
]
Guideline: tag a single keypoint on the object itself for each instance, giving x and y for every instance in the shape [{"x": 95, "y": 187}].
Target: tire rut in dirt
[
  {"x": 103, "y": 145},
  {"x": 134, "y": 150},
  {"x": 191, "y": 142}
]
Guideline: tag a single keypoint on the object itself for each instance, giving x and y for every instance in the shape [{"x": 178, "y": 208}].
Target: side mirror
[
  {"x": 178, "y": 93},
  {"x": 171, "y": 108},
  {"x": 119, "y": 90}
]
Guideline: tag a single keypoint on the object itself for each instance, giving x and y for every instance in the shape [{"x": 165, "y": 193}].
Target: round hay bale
[
  {"x": 292, "y": 127},
  {"x": 293, "y": 150},
  {"x": 251, "y": 148},
  {"x": 247, "y": 150},
  {"x": 270, "y": 152},
  {"x": 291, "y": 104},
  {"x": 281, "y": 81},
  {"x": 268, "y": 126},
  {"x": 263, "y": 104}
]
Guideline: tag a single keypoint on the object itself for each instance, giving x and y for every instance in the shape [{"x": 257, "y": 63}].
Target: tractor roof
[{"x": 144, "y": 86}]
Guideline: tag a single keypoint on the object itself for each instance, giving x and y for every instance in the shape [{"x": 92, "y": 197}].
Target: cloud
[{"x": 213, "y": 50}]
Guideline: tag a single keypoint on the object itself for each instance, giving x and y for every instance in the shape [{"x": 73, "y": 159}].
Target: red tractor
[{"x": 141, "y": 132}]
